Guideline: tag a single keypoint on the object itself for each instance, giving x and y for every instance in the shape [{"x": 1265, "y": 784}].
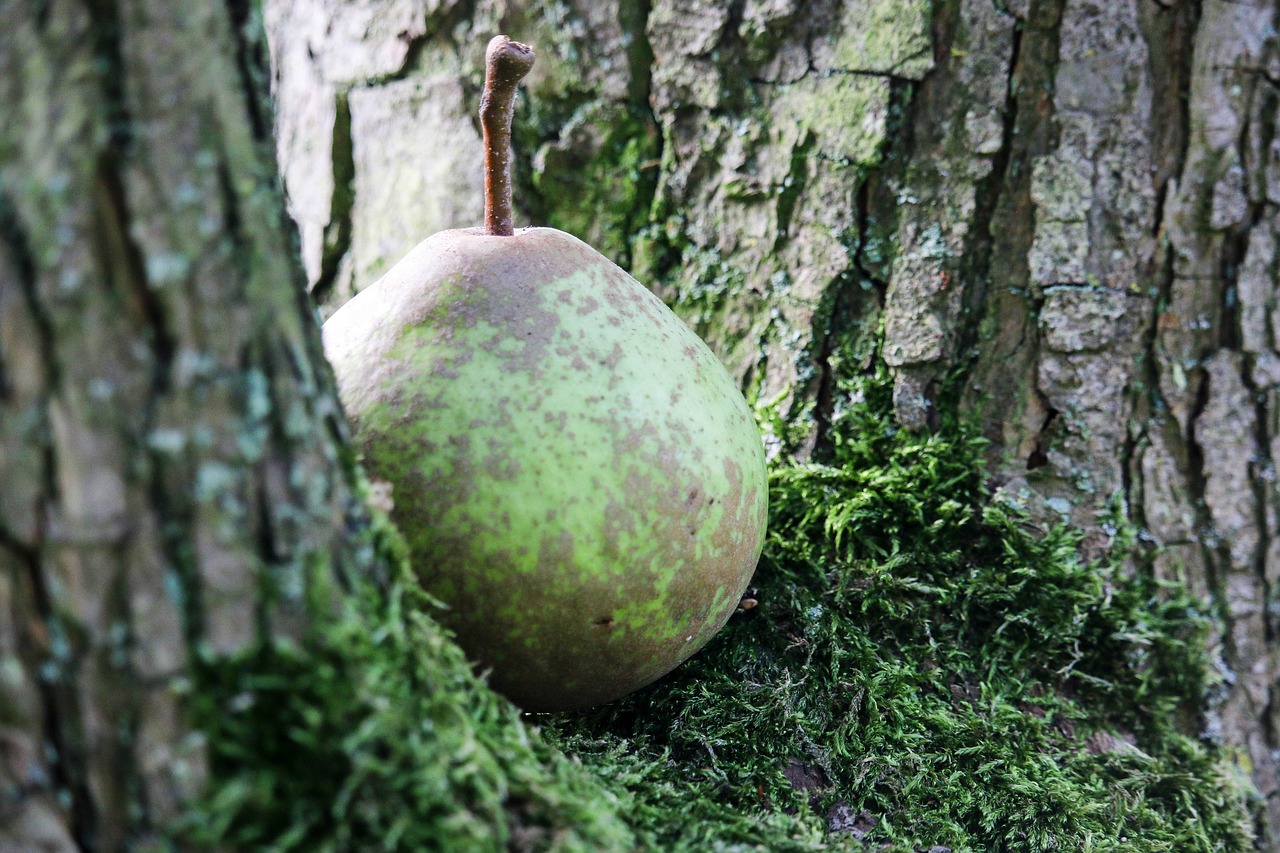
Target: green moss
[
  {"x": 847, "y": 114},
  {"x": 886, "y": 36},
  {"x": 372, "y": 733},
  {"x": 706, "y": 282},
  {"x": 923, "y": 668},
  {"x": 601, "y": 192},
  {"x": 921, "y": 660}
]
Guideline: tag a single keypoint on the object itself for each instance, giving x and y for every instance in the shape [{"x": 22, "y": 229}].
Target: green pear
[{"x": 577, "y": 477}]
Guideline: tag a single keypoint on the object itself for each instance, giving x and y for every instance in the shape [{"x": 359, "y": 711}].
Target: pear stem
[{"x": 506, "y": 64}]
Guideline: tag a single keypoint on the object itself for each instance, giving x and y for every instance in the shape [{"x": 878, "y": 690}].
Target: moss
[
  {"x": 599, "y": 192},
  {"x": 847, "y": 113},
  {"x": 923, "y": 668},
  {"x": 706, "y": 282},
  {"x": 372, "y": 733},
  {"x": 886, "y": 36}
]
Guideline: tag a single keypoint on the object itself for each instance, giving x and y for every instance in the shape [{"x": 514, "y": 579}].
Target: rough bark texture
[
  {"x": 1061, "y": 214},
  {"x": 169, "y": 442}
]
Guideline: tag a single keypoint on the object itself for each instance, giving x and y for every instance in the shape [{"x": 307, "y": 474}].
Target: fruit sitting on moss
[{"x": 577, "y": 477}]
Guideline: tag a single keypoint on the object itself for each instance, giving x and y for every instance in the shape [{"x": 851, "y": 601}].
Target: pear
[{"x": 577, "y": 477}]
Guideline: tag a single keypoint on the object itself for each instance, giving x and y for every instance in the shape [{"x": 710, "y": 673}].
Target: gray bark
[
  {"x": 1070, "y": 204},
  {"x": 169, "y": 440}
]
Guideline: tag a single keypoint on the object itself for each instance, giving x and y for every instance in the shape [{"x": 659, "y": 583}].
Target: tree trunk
[
  {"x": 1060, "y": 215},
  {"x": 174, "y": 485}
]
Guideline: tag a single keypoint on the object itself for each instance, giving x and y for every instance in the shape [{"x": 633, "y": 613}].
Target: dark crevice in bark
[
  {"x": 254, "y": 66},
  {"x": 242, "y": 251},
  {"x": 975, "y": 265},
  {"x": 1262, "y": 474},
  {"x": 276, "y": 537},
  {"x": 852, "y": 72},
  {"x": 925, "y": 109},
  {"x": 1148, "y": 404},
  {"x": 846, "y": 306},
  {"x": 825, "y": 390},
  {"x": 730, "y": 37},
  {"x": 22, "y": 259},
  {"x": 59, "y": 727},
  {"x": 1132, "y": 489},
  {"x": 1235, "y": 249},
  {"x": 1235, "y": 246},
  {"x": 269, "y": 549},
  {"x": 824, "y": 397},
  {"x": 1188, "y": 24},
  {"x": 40, "y": 13},
  {"x": 6, "y": 394},
  {"x": 442, "y": 24},
  {"x": 875, "y": 209},
  {"x": 337, "y": 234},
  {"x": 633, "y": 19},
  {"x": 1179, "y": 69},
  {"x": 1039, "y": 457},
  {"x": 414, "y": 47},
  {"x": 943, "y": 25},
  {"x": 862, "y": 208},
  {"x": 994, "y": 271},
  {"x": 118, "y": 251},
  {"x": 174, "y": 513},
  {"x": 633, "y": 16},
  {"x": 122, "y": 258},
  {"x": 1170, "y": 35},
  {"x": 797, "y": 176},
  {"x": 122, "y": 704},
  {"x": 999, "y": 294},
  {"x": 1264, "y": 478},
  {"x": 106, "y": 32},
  {"x": 67, "y": 758},
  {"x": 1217, "y": 556},
  {"x": 1157, "y": 220},
  {"x": 15, "y": 238}
]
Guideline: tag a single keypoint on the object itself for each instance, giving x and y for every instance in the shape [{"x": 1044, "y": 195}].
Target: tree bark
[
  {"x": 1060, "y": 215},
  {"x": 174, "y": 479}
]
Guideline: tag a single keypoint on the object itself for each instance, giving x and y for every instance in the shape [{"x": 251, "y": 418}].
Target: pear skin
[{"x": 578, "y": 478}]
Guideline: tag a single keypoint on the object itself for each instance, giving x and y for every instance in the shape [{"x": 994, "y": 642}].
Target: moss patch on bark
[
  {"x": 923, "y": 670},
  {"x": 374, "y": 734}
]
